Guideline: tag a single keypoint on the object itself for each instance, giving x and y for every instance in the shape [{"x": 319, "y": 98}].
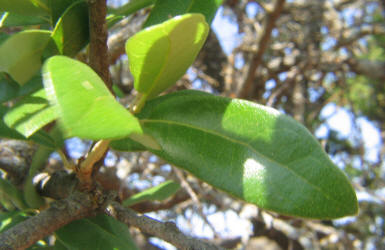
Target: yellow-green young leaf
[
  {"x": 20, "y": 55},
  {"x": 30, "y": 114},
  {"x": 161, "y": 54},
  {"x": 85, "y": 107},
  {"x": 71, "y": 31},
  {"x": 100, "y": 232},
  {"x": 250, "y": 151},
  {"x": 157, "y": 193}
]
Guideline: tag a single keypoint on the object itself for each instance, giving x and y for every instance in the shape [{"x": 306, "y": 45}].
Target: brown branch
[
  {"x": 163, "y": 230},
  {"x": 262, "y": 46},
  {"x": 98, "y": 50},
  {"x": 370, "y": 68},
  {"x": 26, "y": 233}
]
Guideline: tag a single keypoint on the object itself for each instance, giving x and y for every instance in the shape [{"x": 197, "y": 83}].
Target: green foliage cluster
[{"x": 252, "y": 152}]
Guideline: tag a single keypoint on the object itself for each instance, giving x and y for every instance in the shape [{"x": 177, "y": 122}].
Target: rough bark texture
[
  {"x": 98, "y": 50},
  {"x": 60, "y": 213}
]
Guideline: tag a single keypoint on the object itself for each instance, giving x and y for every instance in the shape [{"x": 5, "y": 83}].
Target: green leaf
[
  {"x": 161, "y": 54},
  {"x": 127, "y": 144},
  {"x": 165, "y": 9},
  {"x": 31, "y": 196},
  {"x": 9, "y": 191},
  {"x": 8, "y": 19},
  {"x": 100, "y": 232},
  {"x": 9, "y": 89},
  {"x": 20, "y": 55},
  {"x": 206, "y": 7},
  {"x": 40, "y": 137},
  {"x": 10, "y": 219},
  {"x": 250, "y": 151},
  {"x": 57, "y": 8},
  {"x": 132, "y": 6},
  {"x": 71, "y": 31},
  {"x": 83, "y": 103},
  {"x": 24, "y": 7},
  {"x": 158, "y": 193},
  {"x": 30, "y": 114}
]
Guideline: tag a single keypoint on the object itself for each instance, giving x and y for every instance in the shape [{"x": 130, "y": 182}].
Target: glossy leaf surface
[
  {"x": 161, "y": 54},
  {"x": 164, "y": 9},
  {"x": 249, "y": 151},
  {"x": 71, "y": 30},
  {"x": 83, "y": 103},
  {"x": 100, "y": 232},
  {"x": 30, "y": 114},
  {"x": 157, "y": 193},
  {"x": 24, "y": 64}
]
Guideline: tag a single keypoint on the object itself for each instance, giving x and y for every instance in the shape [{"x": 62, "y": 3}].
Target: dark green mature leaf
[
  {"x": 100, "y": 232},
  {"x": 30, "y": 114},
  {"x": 9, "y": 219},
  {"x": 24, "y": 7},
  {"x": 12, "y": 19},
  {"x": 71, "y": 30},
  {"x": 160, "y": 55},
  {"x": 165, "y": 9},
  {"x": 127, "y": 144},
  {"x": 39, "y": 137},
  {"x": 132, "y": 6},
  {"x": 57, "y": 8},
  {"x": 9, "y": 191},
  {"x": 250, "y": 151},
  {"x": 9, "y": 89},
  {"x": 20, "y": 55},
  {"x": 83, "y": 103},
  {"x": 157, "y": 193}
]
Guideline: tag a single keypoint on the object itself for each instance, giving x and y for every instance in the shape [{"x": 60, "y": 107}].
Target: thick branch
[
  {"x": 166, "y": 231},
  {"x": 98, "y": 51},
  {"x": 370, "y": 68},
  {"x": 26, "y": 233},
  {"x": 262, "y": 46}
]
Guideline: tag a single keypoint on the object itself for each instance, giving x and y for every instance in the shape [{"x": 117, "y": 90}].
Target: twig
[
  {"x": 98, "y": 50},
  {"x": 262, "y": 46},
  {"x": 163, "y": 230},
  {"x": 195, "y": 199},
  {"x": 26, "y": 233},
  {"x": 86, "y": 167}
]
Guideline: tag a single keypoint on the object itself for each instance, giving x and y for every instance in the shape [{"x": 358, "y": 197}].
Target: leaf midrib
[{"x": 244, "y": 144}]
